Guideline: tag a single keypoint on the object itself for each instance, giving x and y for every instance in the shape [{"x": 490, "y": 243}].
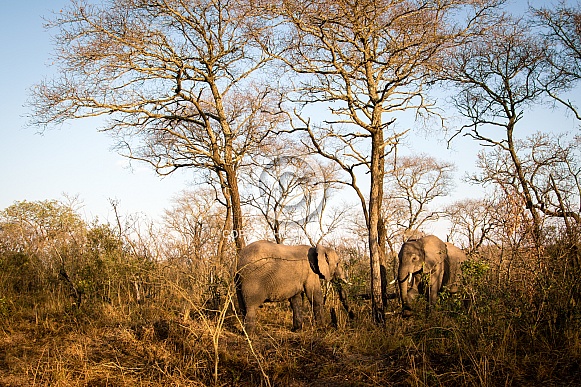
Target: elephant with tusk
[{"x": 427, "y": 255}]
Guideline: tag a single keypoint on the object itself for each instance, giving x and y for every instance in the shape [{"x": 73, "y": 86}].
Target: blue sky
[
  {"x": 77, "y": 160},
  {"x": 74, "y": 159}
]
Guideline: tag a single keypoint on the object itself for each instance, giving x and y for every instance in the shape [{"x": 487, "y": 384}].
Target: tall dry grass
[
  {"x": 152, "y": 344},
  {"x": 173, "y": 322}
]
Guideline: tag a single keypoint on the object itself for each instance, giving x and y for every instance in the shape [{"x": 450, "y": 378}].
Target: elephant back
[
  {"x": 455, "y": 252},
  {"x": 262, "y": 251},
  {"x": 251, "y": 253}
]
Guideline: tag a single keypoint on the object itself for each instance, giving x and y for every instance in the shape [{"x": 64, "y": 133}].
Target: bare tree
[
  {"x": 196, "y": 225},
  {"x": 413, "y": 184},
  {"x": 563, "y": 28},
  {"x": 473, "y": 220},
  {"x": 499, "y": 75},
  {"x": 550, "y": 166},
  {"x": 293, "y": 191},
  {"x": 364, "y": 60},
  {"x": 175, "y": 78}
]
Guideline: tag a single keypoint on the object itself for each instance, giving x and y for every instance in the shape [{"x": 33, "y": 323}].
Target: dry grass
[
  {"x": 155, "y": 347},
  {"x": 100, "y": 314}
]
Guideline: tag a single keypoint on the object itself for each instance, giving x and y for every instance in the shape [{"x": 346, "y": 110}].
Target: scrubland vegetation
[
  {"x": 121, "y": 305},
  {"x": 270, "y": 101}
]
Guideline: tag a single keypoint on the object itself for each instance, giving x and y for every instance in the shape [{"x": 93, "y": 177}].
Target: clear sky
[
  {"x": 74, "y": 159},
  {"x": 78, "y": 160}
]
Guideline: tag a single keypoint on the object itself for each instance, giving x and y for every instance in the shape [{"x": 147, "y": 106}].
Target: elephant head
[
  {"x": 425, "y": 255},
  {"x": 270, "y": 272},
  {"x": 326, "y": 264}
]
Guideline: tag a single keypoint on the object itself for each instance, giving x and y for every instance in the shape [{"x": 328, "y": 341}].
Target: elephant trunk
[
  {"x": 404, "y": 279},
  {"x": 340, "y": 275}
]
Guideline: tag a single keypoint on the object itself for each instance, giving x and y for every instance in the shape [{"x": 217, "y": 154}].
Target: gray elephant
[
  {"x": 270, "y": 272},
  {"x": 427, "y": 255},
  {"x": 453, "y": 267}
]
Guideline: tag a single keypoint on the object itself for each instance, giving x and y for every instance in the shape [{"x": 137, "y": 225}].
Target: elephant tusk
[
  {"x": 394, "y": 281},
  {"x": 408, "y": 277}
]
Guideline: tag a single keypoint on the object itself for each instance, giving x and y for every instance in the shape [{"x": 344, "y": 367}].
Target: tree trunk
[
  {"x": 375, "y": 201},
  {"x": 226, "y": 228},
  {"x": 537, "y": 222},
  {"x": 382, "y": 247},
  {"x": 234, "y": 193}
]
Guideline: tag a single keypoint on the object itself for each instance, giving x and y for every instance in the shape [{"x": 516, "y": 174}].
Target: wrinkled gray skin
[
  {"x": 269, "y": 272},
  {"x": 453, "y": 267},
  {"x": 427, "y": 255}
]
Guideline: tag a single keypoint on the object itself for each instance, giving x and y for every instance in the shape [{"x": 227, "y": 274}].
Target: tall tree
[
  {"x": 176, "y": 80},
  {"x": 562, "y": 25},
  {"x": 365, "y": 61},
  {"x": 500, "y": 75}
]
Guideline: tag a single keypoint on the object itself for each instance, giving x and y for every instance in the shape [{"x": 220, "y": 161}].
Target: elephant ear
[
  {"x": 322, "y": 263},
  {"x": 432, "y": 250}
]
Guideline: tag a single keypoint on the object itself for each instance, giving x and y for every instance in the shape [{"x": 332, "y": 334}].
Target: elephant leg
[
  {"x": 318, "y": 309},
  {"x": 315, "y": 296},
  {"x": 296, "y": 302},
  {"x": 435, "y": 286},
  {"x": 250, "y": 319},
  {"x": 454, "y": 282},
  {"x": 241, "y": 303}
]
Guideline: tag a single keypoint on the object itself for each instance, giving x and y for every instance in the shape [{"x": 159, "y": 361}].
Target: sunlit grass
[{"x": 156, "y": 347}]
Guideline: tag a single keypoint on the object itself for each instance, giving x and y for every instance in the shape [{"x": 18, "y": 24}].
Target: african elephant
[
  {"x": 270, "y": 272},
  {"x": 453, "y": 267},
  {"x": 427, "y": 255}
]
